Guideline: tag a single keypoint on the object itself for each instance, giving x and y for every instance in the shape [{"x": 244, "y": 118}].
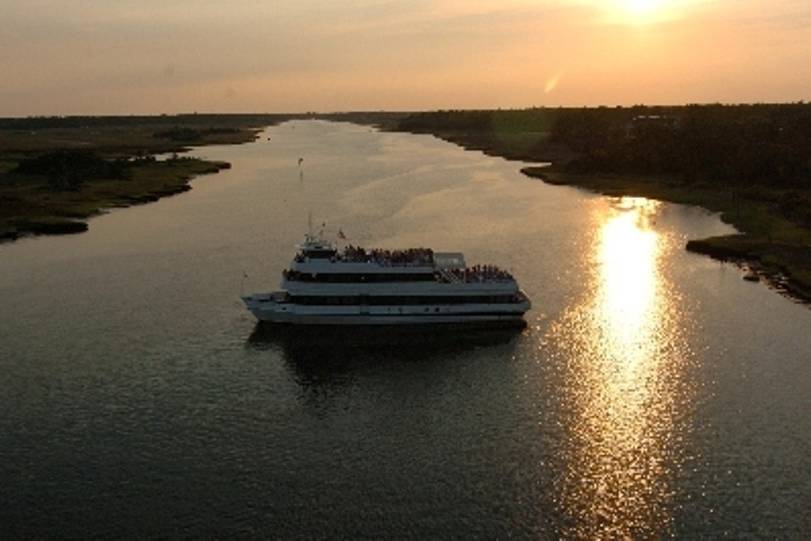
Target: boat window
[{"x": 330, "y": 277}]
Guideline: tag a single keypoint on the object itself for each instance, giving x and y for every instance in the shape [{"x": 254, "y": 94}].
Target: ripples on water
[
  {"x": 646, "y": 398},
  {"x": 628, "y": 389}
]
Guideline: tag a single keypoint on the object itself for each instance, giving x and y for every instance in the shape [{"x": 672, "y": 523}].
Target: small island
[{"x": 56, "y": 172}]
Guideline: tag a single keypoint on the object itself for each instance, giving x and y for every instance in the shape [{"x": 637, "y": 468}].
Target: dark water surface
[{"x": 654, "y": 392}]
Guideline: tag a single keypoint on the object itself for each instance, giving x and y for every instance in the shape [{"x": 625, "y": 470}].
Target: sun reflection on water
[
  {"x": 626, "y": 383},
  {"x": 628, "y": 279}
]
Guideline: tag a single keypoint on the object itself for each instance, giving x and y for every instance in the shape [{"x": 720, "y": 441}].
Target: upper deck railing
[
  {"x": 412, "y": 257},
  {"x": 468, "y": 275},
  {"x": 447, "y": 267}
]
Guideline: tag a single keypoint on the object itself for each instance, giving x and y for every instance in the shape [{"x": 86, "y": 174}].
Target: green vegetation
[
  {"x": 31, "y": 204},
  {"x": 55, "y": 172},
  {"x": 774, "y": 243},
  {"x": 751, "y": 163},
  {"x": 126, "y": 136},
  {"x": 69, "y": 169}
]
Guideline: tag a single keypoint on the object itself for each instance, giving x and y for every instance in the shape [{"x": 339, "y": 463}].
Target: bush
[{"x": 68, "y": 170}]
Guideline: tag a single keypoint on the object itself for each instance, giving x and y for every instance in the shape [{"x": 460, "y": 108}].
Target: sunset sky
[{"x": 169, "y": 56}]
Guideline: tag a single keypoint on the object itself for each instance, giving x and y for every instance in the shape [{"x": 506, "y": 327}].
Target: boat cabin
[{"x": 315, "y": 248}]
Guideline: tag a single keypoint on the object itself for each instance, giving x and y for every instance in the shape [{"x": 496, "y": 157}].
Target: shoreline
[
  {"x": 543, "y": 152},
  {"x": 74, "y": 220},
  {"x": 768, "y": 245},
  {"x": 779, "y": 265},
  {"x": 28, "y": 208},
  {"x": 783, "y": 267}
]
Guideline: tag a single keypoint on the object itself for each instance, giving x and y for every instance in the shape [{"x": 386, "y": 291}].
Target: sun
[
  {"x": 643, "y": 11},
  {"x": 642, "y": 7}
]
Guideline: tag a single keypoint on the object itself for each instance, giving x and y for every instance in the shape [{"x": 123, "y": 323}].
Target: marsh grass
[
  {"x": 35, "y": 204},
  {"x": 780, "y": 245},
  {"x": 28, "y": 205}
]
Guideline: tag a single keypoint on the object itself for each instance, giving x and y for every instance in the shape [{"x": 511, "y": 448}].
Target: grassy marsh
[
  {"x": 32, "y": 203},
  {"x": 778, "y": 247}
]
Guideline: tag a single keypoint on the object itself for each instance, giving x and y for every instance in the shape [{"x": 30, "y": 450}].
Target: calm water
[{"x": 654, "y": 393}]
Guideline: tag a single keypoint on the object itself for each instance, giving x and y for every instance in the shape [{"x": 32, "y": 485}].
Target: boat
[{"x": 325, "y": 285}]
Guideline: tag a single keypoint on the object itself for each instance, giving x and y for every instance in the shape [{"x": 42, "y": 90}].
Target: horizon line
[{"x": 407, "y": 111}]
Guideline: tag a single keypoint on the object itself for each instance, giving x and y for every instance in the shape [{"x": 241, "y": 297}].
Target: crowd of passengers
[
  {"x": 478, "y": 273},
  {"x": 389, "y": 258},
  {"x": 412, "y": 256}
]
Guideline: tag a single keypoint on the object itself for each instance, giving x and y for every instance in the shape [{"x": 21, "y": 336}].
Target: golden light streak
[
  {"x": 627, "y": 359},
  {"x": 551, "y": 83}
]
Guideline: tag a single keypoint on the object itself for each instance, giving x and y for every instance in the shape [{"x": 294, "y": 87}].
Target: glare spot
[
  {"x": 643, "y": 6},
  {"x": 551, "y": 83}
]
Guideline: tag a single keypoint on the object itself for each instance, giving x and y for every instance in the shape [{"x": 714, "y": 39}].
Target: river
[{"x": 653, "y": 393}]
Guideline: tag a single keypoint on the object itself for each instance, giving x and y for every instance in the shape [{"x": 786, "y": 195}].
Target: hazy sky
[{"x": 154, "y": 56}]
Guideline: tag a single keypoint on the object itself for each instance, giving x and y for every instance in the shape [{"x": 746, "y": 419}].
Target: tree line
[
  {"x": 733, "y": 144},
  {"x": 49, "y": 122}
]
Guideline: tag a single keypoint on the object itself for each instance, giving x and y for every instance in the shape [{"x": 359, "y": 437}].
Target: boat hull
[
  {"x": 266, "y": 310},
  {"x": 308, "y": 319}
]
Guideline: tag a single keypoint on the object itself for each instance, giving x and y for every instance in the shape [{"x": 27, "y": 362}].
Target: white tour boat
[{"x": 354, "y": 286}]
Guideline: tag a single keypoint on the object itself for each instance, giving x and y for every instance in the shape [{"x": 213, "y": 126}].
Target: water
[{"x": 654, "y": 392}]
